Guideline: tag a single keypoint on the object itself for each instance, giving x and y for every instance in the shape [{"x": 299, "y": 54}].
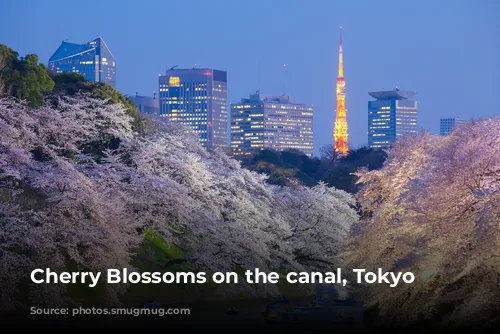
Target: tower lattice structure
[{"x": 340, "y": 135}]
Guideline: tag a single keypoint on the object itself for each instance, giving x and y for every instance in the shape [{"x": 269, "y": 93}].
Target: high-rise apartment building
[
  {"x": 272, "y": 122},
  {"x": 447, "y": 125},
  {"x": 390, "y": 117},
  {"x": 93, "y": 60},
  {"x": 198, "y": 99}
]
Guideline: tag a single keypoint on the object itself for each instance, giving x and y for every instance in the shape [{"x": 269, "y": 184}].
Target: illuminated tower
[{"x": 340, "y": 130}]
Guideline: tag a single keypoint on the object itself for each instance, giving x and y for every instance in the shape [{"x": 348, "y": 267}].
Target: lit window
[{"x": 174, "y": 81}]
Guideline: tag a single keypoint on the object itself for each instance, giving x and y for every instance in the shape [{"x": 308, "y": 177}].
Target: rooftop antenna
[
  {"x": 258, "y": 77},
  {"x": 284, "y": 80},
  {"x": 173, "y": 67},
  {"x": 154, "y": 94},
  {"x": 340, "y": 35}
]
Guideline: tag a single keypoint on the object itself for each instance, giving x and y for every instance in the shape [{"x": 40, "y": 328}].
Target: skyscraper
[
  {"x": 449, "y": 124},
  {"x": 198, "y": 99},
  {"x": 340, "y": 135},
  {"x": 273, "y": 122},
  {"x": 93, "y": 59},
  {"x": 390, "y": 117}
]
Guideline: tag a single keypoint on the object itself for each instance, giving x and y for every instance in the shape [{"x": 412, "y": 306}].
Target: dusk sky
[{"x": 446, "y": 51}]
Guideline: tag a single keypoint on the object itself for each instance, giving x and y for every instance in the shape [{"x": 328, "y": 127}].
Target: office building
[
  {"x": 390, "y": 117},
  {"x": 146, "y": 104},
  {"x": 271, "y": 122},
  {"x": 198, "y": 99},
  {"x": 93, "y": 59},
  {"x": 449, "y": 124}
]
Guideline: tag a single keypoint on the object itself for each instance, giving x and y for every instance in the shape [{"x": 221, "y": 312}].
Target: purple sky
[{"x": 447, "y": 51}]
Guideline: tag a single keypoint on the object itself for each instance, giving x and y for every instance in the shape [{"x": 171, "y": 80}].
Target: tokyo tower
[{"x": 340, "y": 129}]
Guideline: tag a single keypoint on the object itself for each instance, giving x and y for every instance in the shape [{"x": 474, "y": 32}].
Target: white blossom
[
  {"x": 78, "y": 188},
  {"x": 434, "y": 210}
]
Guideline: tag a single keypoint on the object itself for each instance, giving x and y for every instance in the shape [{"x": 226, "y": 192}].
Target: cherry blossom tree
[
  {"x": 434, "y": 210},
  {"x": 79, "y": 188}
]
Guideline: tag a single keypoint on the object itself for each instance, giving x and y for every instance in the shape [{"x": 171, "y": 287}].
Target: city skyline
[{"x": 424, "y": 47}]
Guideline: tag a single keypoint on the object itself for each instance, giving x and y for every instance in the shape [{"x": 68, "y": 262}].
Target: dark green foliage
[
  {"x": 365, "y": 157},
  {"x": 339, "y": 175},
  {"x": 96, "y": 148},
  {"x": 68, "y": 83},
  {"x": 106, "y": 91},
  {"x": 71, "y": 83},
  {"x": 292, "y": 166},
  {"x": 286, "y": 167},
  {"x": 24, "y": 78}
]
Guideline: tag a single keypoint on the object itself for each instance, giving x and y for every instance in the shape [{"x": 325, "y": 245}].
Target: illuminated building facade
[
  {"x": 198, "y": 99},
  {"x": 271, "y": 122},
  {"x": 93, "y": 60},
  {"x": 390, "y": 117},
  {"x": 447, "y": 125},
  {"x": 340, "y": 135}
]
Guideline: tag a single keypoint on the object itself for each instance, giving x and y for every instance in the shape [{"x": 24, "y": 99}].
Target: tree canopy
[
  {"x": 27, "y": 80},
  {"x": 151, "y": 201},
  {"x": 24, "y": 78},
  {"x": 69, "y": 83},
  {"x": 434, "y": 209},
  {"x": 293, "y": 167}
]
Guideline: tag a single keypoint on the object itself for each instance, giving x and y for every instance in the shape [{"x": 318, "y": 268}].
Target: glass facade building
[
  {"x": 94, "y": 60},
  {"x": 447, "y": 125},
  {"x": 390, "y": 117},
  {"x": 271, "y": 122},
  {"x": 198, "y": 99}
]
